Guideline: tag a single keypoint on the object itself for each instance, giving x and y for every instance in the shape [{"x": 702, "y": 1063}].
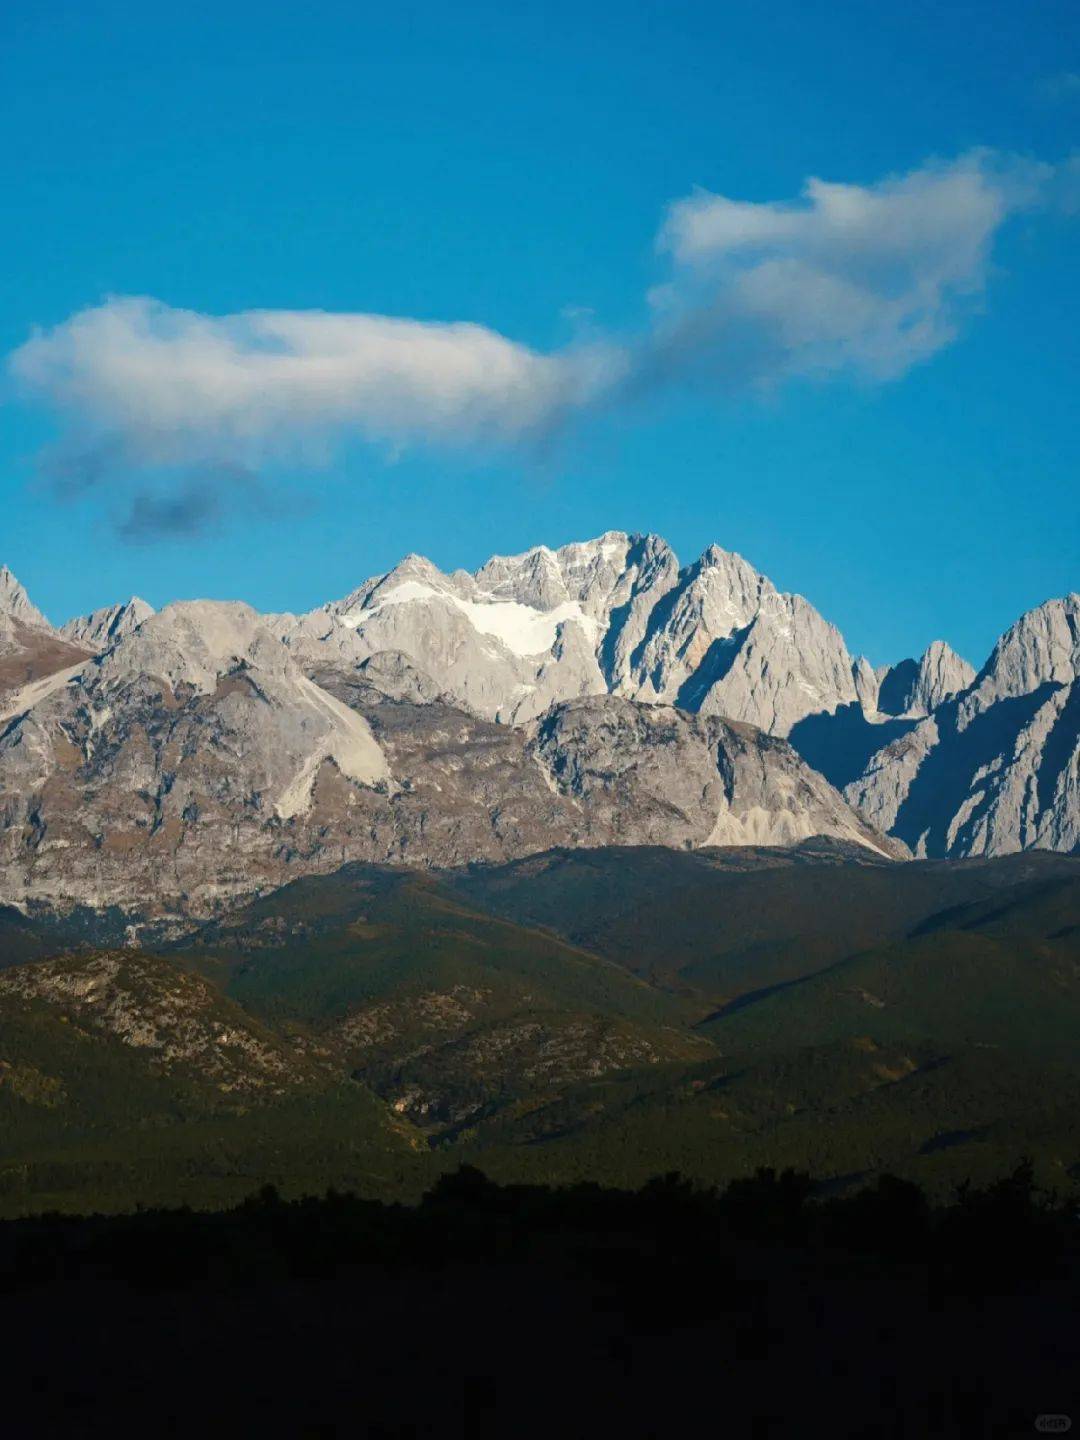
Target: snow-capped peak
[{"x": 611, "y": 614}]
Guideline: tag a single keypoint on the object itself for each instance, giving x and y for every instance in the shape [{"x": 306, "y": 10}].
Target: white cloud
[
  {"x": 864, "y": 279},
  {"x": 857, "y": 280},
  {"x": 171, "y": 386}
]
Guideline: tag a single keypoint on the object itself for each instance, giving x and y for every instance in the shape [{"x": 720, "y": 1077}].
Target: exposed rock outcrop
[
  {"x": 102, "y": 628},
  {"x": 31, "y": 651},
  {"x": 196, "y": 760},
  {"x": 613, "y": 615},
  {"x": 996, "y": 768},
  {"x": 918, "y": 687},
  {"x": 589, "y": 695}
]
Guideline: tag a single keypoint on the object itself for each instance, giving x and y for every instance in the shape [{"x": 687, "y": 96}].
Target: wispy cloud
[
  {"x": 862, "y": 281},
  {"x": 191, "y": 510},
  {"x": 187, "y": 506}
]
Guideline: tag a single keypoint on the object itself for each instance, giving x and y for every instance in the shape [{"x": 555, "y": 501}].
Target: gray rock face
[
  {"x": 655, "y": 775},
  {"x": 918, "y": 687},
  {"x": 30, "y": 649},
  {"x": 942, "y": 674},
  {"x": 15, "y": 604},
  {"x": 102, "y": 628},
  {"x": 1042, "y": 648},
  {"x": 867, "y": 684},
  {"x": 613, "y": 615},
  {"x": 208, "y": 751},
  {"x": 392, "y": 674},
  {"x": 501, "y": 656},
  {"x": 196, "y": 761},
  {"x": 995, "y": 768}
]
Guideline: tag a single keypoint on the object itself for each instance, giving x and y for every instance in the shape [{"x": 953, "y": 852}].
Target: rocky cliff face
[
  {"x": 655, "y": 775},
  {"x": 619, "y": 616},
  {"x": 197, "y": 760},
  {"x": 102, "y": 628},
  {"x": 615, "y": 615},
  {"x": 590, "y": 695},
  {"x": 30, "y": 649},
  {"x": 917, "y": 687},
  {"x": 995, "y": 768},
  {"x": 15, "y": 604}
]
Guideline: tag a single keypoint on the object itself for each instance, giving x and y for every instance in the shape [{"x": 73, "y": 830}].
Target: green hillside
[
  {"x": 844, "y": 1112},
  {"x": 124, "y": 1078},
  {"x": 448, "y": 1014},
  {"x": 605, "y": 1015},
  {"x": 716, "y": 925},
  {"x": 947, "y": 988}
]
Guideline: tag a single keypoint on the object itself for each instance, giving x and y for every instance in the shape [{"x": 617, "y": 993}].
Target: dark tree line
[{"x": 529, "y": 1311}]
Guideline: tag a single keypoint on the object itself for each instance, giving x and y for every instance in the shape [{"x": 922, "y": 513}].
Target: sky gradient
[{"x": 913, "y": 472}]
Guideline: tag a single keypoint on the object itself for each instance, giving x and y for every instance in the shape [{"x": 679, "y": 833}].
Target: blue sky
[{"x": 512, "y": 167}]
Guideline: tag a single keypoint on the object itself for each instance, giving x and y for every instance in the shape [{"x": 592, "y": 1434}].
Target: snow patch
[{"x": 521, "y": 628}]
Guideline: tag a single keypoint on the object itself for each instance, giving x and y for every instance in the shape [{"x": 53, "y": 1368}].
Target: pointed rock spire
[
  {"x": 942, "y": 673},
  {"x": 15, "y": 603},
  {"x": 102, "y": 628},
  {"x": 917, "y": 687}
]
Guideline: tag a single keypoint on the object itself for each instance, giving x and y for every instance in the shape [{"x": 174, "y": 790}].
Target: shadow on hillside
[
  {"x": 897, "y": 686},
  {"x": 840, "y": 745},
  {"x": 943, "y": 782}
]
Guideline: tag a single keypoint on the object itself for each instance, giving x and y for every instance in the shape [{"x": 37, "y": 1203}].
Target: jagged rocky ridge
[
  {"x": 104, "y": 627},
  {"x": 197, "y": 760},
  {"x": 616, "y": 615},
  {"x": 995, "y": 768},
  {"x": 591, "y": 695},
  {"x": 30, "y": 649}
]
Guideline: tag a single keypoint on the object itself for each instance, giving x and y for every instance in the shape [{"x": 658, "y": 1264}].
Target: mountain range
[{"x": 598, "y": 694}]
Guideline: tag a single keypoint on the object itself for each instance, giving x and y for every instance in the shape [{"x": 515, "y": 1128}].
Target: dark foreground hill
[
  {"x": 526, "y": 1312},
  {"x": 591, "y": 1016}
]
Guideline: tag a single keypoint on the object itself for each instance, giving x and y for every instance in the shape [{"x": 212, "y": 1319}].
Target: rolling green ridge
[
  {"x": 154, "y": 1085},
  {"x": 604, "y": 1015},
  {"x": 717, "y": 924}
]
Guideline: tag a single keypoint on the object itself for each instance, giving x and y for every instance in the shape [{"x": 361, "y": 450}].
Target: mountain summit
[
  {"x": 15, "y": 603},
  {"x": 995, "y": 767},
  {"x": 615, "y": 615},
  {"x": 595, "y": 694},
  {"x": 98, "y": 630},
  {"x": 30, "y": 649}
]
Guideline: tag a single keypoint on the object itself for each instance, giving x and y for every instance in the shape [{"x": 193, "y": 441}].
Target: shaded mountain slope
[
  {"x": 994, "y": 769},
  {"x": 719, "y": 924},
  {"x": 448, "y": 1014}
]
